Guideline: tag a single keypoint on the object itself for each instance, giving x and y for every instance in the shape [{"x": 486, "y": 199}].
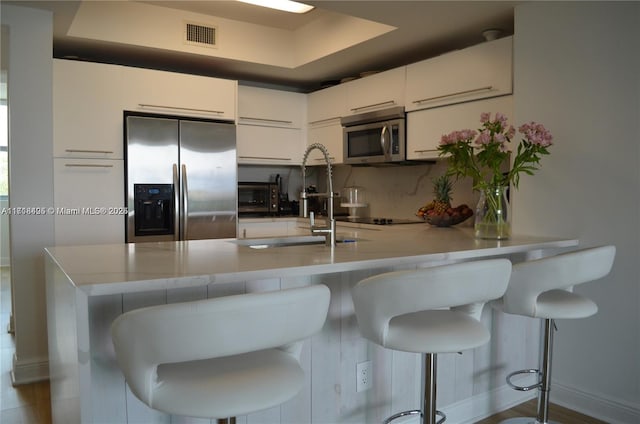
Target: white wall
[
  {"x": 4, "y": 235},
  {"x": 577, "y": 70},
  {"x": 31, "y": 176}
]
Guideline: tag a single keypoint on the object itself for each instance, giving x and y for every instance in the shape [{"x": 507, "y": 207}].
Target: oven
[{"x": 258, "y": 198}]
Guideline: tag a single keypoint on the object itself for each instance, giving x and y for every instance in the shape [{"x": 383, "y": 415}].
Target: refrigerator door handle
[
  {"x": 176, "y": 208},
  {"x": 185, "y": 203}
]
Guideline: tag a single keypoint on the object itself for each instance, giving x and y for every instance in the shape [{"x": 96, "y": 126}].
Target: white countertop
[{"x": 122, "y": 268}]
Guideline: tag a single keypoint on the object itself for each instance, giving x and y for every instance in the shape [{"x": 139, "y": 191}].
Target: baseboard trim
[
  {"x": 483, "y": 405},
  {"x": 25, "y": 372},
  {"x": 608, "y": 410}
]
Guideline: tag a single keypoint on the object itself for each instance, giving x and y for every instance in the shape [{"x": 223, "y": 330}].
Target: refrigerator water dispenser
[{"x": 154, "y": 209}]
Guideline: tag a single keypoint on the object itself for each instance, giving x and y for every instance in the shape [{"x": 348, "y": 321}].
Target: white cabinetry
[
  {"x": 179, "y": 94},
  {"x": 276, "y": 227},
  {"x": 87, "y": 110},
  {"x": 375, "y": 92},
  {"x": 426, "y": 127},
  {"x": 477, "y": 72},
  {"x": 89, "y": 101},
  {"x": 270, "y": 126},
  {"x": 89, "y": 201},
  {"x": 326, "y": 107}
]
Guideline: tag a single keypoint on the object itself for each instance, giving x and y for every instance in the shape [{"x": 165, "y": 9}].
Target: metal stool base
[
  {"x": 414, "y": 412},
  {"x": 525, "y": 420}
]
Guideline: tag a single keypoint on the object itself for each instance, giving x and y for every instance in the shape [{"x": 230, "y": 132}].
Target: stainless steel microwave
[{"x": 375, "y": 137}]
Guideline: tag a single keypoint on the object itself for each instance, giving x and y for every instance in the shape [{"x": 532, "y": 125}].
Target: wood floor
[
  {"x": 30, "y": 403},
  {"x": 26, "y": 404}
]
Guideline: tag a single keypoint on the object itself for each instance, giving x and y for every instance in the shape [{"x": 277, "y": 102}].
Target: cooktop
[{"x": 378, "y": 221}]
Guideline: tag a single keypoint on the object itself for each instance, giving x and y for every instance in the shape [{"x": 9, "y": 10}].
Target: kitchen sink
[{"x": 287, "y": 241}]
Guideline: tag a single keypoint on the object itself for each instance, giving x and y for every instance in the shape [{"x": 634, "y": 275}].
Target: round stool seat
[
  {"x": 557, "y": 304},
  {"x": 435, "y": 331},
  {"x": 560, "y": 304},
  {"x": 210, "y": 387}
]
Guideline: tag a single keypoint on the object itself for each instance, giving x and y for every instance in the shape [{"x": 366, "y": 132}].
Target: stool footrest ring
[
  {"x": 414, "y": 412},
  {"x": 524, "y": 388}
]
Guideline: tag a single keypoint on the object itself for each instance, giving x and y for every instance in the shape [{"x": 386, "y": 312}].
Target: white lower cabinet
[
  {"x": 276, "y": 227},
  {"x": 88, "y": 201},
  {"x": 426, "y": 127}
]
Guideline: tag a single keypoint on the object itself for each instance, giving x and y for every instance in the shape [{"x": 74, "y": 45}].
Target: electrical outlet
[{"x": 364, "y": 376}]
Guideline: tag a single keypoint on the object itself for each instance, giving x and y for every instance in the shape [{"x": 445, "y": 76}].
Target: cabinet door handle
[
  {"x": 87, "y": 165},
  {"x": 425, "y": 150},
  {"x": 273, "y": 121},
  {"x": 388, "y": 102},
  {"x": 262, "y": 157},
  {"x": 458, "y": 93},
  {"x": 108, "y": 152},
  {"x": 217, "y": 112},
  {"x": 321, "y": 121}
]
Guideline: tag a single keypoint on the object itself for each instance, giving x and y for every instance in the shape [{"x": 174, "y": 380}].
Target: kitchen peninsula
[{"x": 88, "y": 286}]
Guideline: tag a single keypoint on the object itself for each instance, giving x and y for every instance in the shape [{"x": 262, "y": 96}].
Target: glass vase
[{"x": 493, "y": 217}]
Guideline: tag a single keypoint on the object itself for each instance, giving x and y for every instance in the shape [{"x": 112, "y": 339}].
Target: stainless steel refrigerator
[{"x": 181, "y": 178}]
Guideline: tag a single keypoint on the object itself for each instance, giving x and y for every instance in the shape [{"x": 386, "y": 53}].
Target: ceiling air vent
[{"x": 200, "y": 35}]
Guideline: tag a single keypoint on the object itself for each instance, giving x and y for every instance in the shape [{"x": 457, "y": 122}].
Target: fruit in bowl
[{"x": 439, "y": 212}]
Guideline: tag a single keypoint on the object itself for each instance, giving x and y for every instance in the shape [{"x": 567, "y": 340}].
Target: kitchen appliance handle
[
  {"x": 185, "y": 200},
  {"x": 176, "y": 207},
  {"x": 458, "y": 93},
  {"x": 385, "y": 137}
]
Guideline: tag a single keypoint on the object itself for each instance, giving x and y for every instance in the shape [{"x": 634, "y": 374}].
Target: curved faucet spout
[{"x": 330, "y": 229}]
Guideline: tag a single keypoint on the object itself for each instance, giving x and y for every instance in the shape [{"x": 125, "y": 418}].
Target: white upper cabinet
[
  {"x": 477, "y": 72},
  {"x": 271, "y": 126},
  {"x": 328, "y": 134},
  {"x": 275, "y": 108},
  {"x": 87, "y": 110},
  {"x": 426, "y": 127},
  {"x": 172, "y": 93},
  {"x": 326, "y": 107},
  {"x": 375, "y": 92},
  {"x": 89, "y": 100}
]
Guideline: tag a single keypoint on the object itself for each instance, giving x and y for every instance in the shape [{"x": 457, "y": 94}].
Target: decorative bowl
[{"x": 452, "y": 216}]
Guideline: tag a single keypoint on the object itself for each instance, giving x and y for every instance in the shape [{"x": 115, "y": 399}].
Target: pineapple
[{"x": 442, "y": 192}]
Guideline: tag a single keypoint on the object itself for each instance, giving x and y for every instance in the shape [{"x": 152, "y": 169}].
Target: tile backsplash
[
  {"x": 398, "y": 191},
  {"x": 391, "y": 192}
]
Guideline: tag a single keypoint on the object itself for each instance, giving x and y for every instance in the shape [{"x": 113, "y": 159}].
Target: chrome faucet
[{"x": 329, "y": 230}]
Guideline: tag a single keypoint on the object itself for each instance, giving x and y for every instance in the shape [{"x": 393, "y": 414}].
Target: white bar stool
[
  {"x": 430, "y": 311},
  {"x": 221, "y": 357},
  {"x": 542, "y": 289}
]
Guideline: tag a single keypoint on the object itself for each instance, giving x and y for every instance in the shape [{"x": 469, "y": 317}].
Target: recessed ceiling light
[{"x": 285, "y": 5}]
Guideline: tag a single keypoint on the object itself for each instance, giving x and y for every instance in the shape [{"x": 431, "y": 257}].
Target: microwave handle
[{"x": 385, "y": 139}]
